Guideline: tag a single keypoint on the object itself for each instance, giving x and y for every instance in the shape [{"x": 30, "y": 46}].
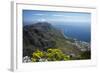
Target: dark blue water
[{"x": 79, "y": 31}]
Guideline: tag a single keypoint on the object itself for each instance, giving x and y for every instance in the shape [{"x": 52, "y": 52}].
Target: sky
[{"x": 31, "y": 16}]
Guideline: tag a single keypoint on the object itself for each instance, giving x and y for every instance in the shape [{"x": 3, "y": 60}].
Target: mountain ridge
[{"x": 43, "y": 35}]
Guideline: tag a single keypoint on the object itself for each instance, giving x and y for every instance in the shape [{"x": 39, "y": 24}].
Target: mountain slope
[{"x": 43, "y": 35}]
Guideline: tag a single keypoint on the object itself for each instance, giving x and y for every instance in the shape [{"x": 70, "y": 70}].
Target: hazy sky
[{"x": 52, "y": 16}]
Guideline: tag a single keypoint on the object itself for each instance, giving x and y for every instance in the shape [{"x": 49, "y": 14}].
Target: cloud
[
  {"x": 38, "y": 14},
  {"x": 57, "y": 15}
]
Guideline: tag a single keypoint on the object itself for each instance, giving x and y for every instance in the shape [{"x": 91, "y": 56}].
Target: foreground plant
[
  {"x": 26, "y": 59},
  {"x": 49, "y": 55}
]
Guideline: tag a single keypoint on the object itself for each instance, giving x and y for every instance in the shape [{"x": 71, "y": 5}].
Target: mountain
[{"x": 43, "y": 35}]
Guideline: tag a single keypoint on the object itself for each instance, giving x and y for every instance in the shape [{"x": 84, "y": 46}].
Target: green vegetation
[
  {"x": 52, "y": 44},
  {"x": 82, "y": 55},
  {"x": 49, "y": 55},
  {"x": 37, "y": 55},
  {"x": 86, "y": 55},
  {"x": 53, "y": 54}
]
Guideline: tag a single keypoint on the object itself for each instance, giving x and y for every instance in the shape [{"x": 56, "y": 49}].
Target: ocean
[{"x": 79, "y": 31}]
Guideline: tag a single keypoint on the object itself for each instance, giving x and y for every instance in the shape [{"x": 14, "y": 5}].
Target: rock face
[
  {"x": 43, "y": 35},
  {"x": 39, "y": 35}
]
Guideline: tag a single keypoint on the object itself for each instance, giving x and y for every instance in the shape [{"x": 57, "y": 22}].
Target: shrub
[
  {"x": 37, "y": 55},
  {"x": 49, "y": 55},
  {"x": 86, "y": 55},
  {"x": 56, "y": 55}
]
